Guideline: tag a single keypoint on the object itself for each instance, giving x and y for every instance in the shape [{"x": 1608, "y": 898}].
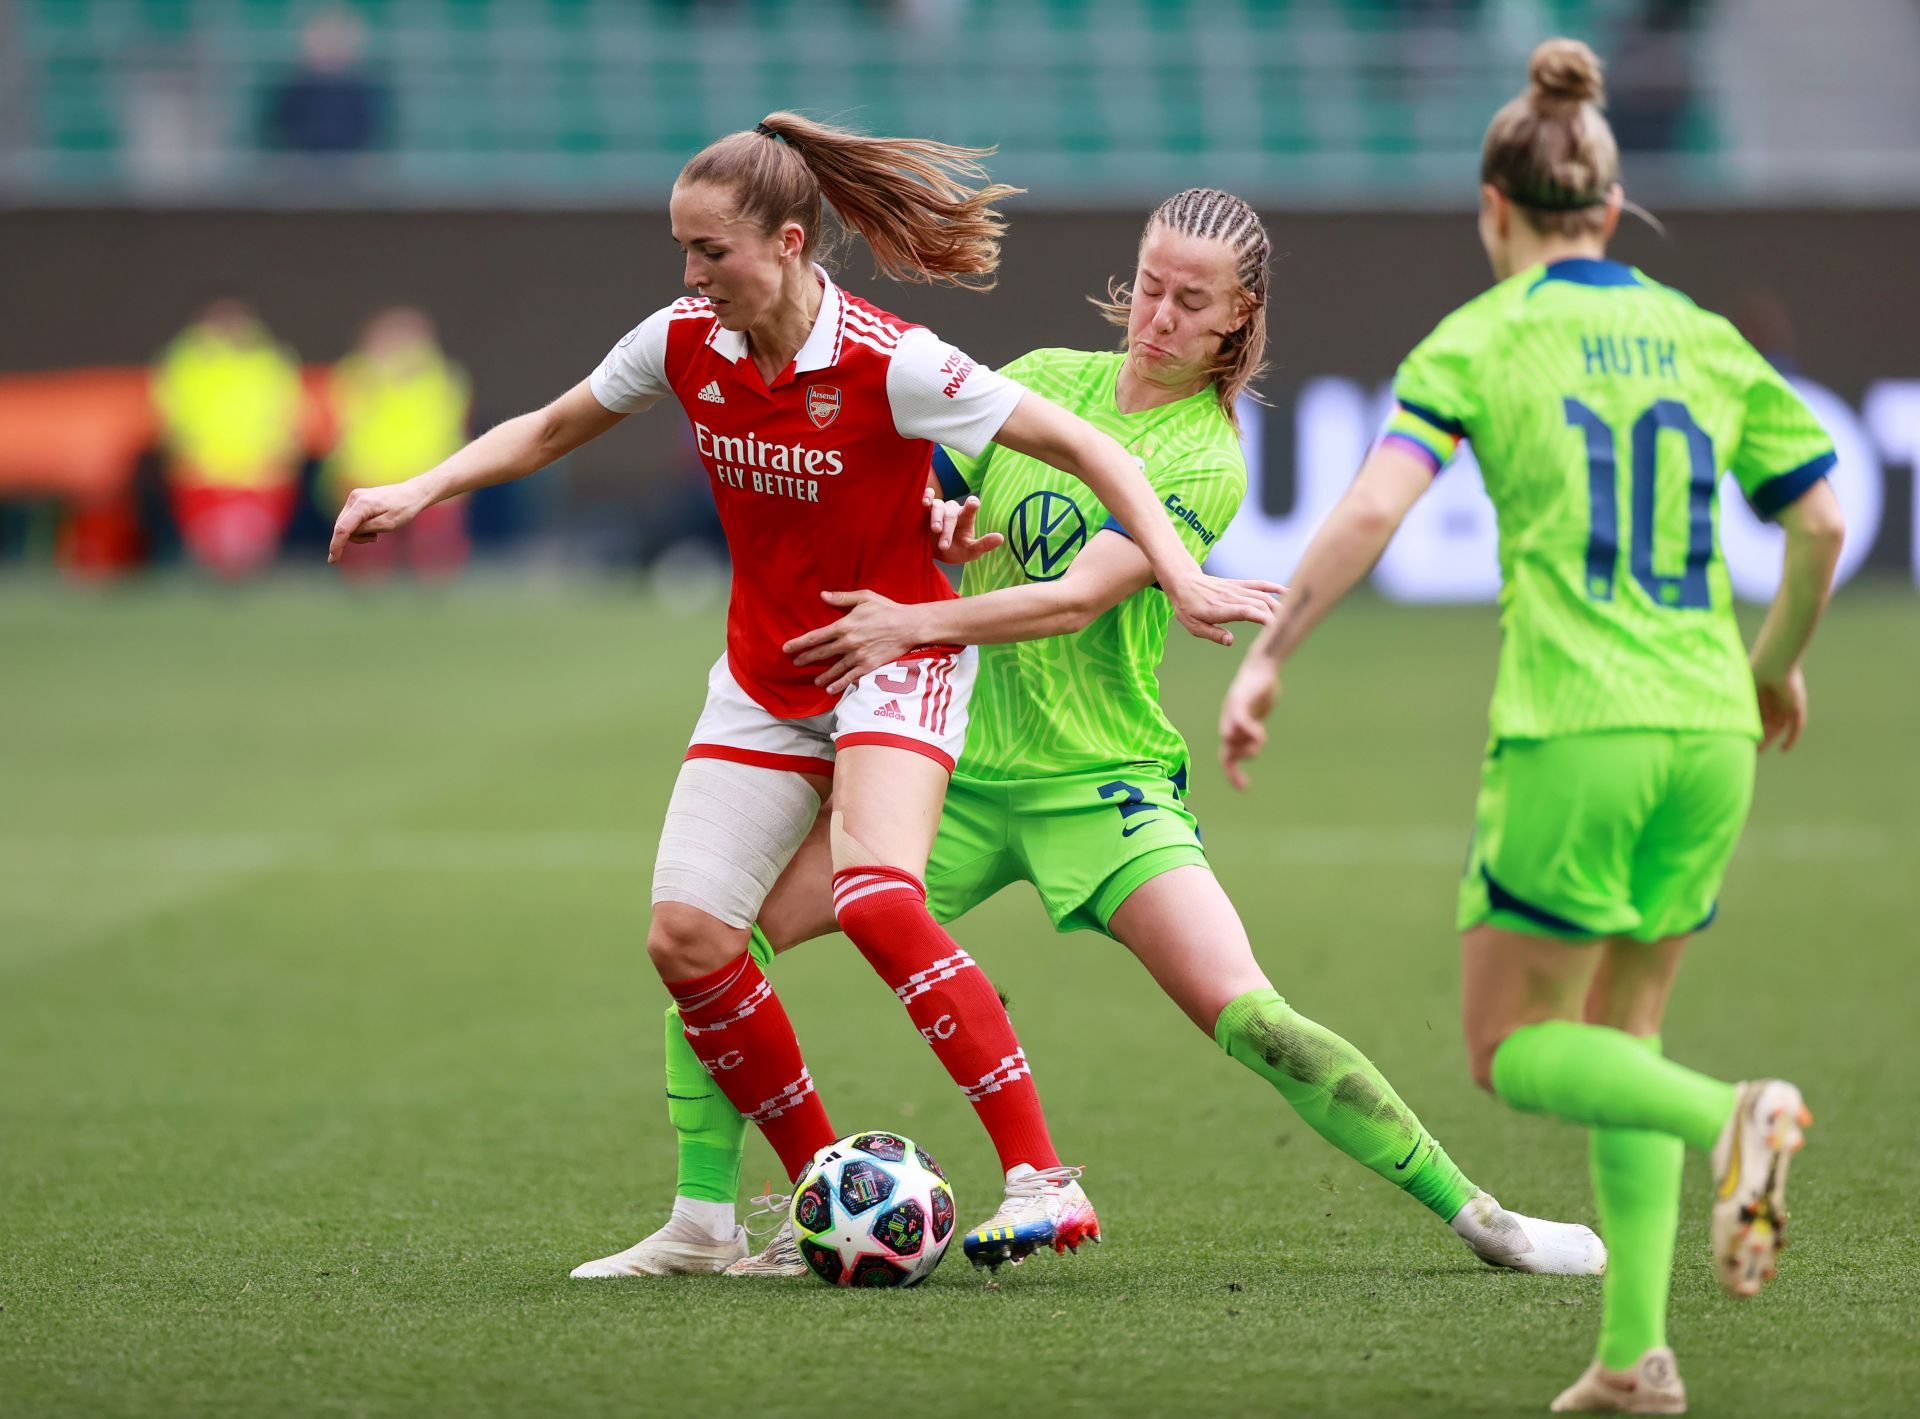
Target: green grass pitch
[{"x": 328, "y": 1045}]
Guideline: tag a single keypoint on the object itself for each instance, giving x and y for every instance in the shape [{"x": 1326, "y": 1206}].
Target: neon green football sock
[
  {"x": 712, "y": 1135},
  {"x": 1603, "y": 1078},
  {"x": 1342, "y": 1097},
  {"x": 1636, "y": 1183}
]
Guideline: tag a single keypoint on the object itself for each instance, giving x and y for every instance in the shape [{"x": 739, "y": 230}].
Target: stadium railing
[{"x": 600, "y": 101}]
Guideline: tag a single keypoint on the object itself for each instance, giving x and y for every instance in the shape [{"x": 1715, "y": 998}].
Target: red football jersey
[{"x": 819, "y": 475}]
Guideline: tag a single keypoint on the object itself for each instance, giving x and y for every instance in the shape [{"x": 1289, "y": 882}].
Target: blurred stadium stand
[
  {"x": 502, "y": 164},
  {"x": 1335, "y": 103}
]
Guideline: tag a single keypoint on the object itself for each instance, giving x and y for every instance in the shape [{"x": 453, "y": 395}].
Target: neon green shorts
[
  {"x": 1617, "y": 834},
  {"x": 1086, "y": 842}
]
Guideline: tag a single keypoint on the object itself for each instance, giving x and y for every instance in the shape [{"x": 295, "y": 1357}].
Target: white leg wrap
[{"x": 731, "y": 829}]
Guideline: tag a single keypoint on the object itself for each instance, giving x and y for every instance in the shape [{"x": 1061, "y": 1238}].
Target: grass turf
[{"x": 329, "y": 1045}]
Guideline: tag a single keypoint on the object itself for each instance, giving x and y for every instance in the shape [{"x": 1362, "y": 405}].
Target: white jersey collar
[{"x": 821, "y": 349}]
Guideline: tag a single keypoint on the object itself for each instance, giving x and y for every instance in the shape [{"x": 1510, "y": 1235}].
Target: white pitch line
[{"x": 542, "y": 850}]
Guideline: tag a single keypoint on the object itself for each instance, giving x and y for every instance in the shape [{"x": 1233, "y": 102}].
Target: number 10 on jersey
[{"x": 1688, "y": 591}]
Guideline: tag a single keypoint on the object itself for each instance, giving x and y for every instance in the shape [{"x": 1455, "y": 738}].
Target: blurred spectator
[
  {"x": 331, "y": 103},
  {"x": 400, "y": 407},
  {"x": 1761, "y": 316},
  {"x": 230, "y": 407},
  {"x": 1650, "y": 77}
]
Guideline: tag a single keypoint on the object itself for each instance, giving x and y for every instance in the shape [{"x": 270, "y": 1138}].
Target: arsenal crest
[{"x": 823, "y": 404}]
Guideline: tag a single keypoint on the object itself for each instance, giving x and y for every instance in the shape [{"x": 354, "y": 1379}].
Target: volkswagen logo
[{"x": 1045, "y": 531}]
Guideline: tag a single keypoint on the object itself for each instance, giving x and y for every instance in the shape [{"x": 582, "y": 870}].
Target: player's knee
[
  {"x": 683, "y": 941},
  {"x": 787, "y": 924}
]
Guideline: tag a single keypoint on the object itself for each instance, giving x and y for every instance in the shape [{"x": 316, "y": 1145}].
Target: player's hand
[
  {"x": 1783, "y": 708},
  {"x": 371, "y": 511},
  {"x": 952, "y": 525},
  {"x": 1243, "y": 731},
  {"x": 1204, "y": 604},
  {"x": 873, "y": 633}
]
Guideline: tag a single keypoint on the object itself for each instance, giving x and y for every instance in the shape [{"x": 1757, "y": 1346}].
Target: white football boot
[
  {"x": 1521, "y": 1243},
  {"x": 1750, "y": 1182},
  {"x": 1043, "y": 1208},
  {"x": 781, "y": 1255},
  {"x": 684, "y": 1247},
  {"x": 1652, "y": 1386}
]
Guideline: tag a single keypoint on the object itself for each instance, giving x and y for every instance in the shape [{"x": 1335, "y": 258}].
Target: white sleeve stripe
[
  {"x": 862, "y": 321},
  {"x": 875, "y": 337},
  {"x": 878, "y": 317}
]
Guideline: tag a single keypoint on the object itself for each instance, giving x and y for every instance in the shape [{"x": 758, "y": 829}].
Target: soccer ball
[{"x": 873, "y": 1210}]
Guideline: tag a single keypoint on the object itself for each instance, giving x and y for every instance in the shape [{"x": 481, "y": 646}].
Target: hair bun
[{"x": 1565, "y": 71}]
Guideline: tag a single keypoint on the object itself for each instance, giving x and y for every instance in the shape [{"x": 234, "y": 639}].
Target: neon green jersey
[
  {"x": 1090, "y": 699},
  {"x": 1602, "y": 408}
]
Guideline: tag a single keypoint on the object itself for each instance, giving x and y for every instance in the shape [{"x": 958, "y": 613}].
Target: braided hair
[{"x": 1213, "y": 215}]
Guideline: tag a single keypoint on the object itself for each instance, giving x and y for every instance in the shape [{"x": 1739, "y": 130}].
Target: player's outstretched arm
[
  {"x": 504, "y": 452},
  {"x": 1342, "y": 551},
  {"x": 1815, "y": 529},
  {"x": 1203, "y": 604},
  {"x": 877, "y": 632}
]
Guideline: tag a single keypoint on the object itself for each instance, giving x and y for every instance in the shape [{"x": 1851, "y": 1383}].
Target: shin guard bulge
[
  {"x": 743, "y": 1038},
  {"x": 950, "y": 1001},
  {"x": 711, "y": 1134}
]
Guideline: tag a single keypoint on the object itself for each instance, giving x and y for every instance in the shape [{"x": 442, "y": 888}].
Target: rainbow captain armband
[{"x": 1432, "y": 436}]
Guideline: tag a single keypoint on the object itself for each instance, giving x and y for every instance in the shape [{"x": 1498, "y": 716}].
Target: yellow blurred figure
[
  {"x": 399, "y": 406},
  {"x": 231, "y": 416}
]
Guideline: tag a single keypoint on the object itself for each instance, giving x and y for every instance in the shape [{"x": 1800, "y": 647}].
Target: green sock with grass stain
[{"x": 1342, "y": 1097}]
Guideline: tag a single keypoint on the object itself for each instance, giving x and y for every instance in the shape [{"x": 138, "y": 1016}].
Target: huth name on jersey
[{"x": 1647, "y": 355}]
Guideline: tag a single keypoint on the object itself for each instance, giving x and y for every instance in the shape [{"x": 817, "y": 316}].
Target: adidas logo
[
  {"x": 711, "y": 393},
  {"x": 890, "y": 710}
]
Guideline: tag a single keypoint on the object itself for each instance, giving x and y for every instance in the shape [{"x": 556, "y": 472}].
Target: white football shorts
[
  {"x": 731, "y": 831},
  {"x": 918, "y": 704}
]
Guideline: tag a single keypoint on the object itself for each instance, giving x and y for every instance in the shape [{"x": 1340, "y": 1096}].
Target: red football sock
[
  {"x": 950, "y": 999},
  {"x": 738, "y": 1027}
]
